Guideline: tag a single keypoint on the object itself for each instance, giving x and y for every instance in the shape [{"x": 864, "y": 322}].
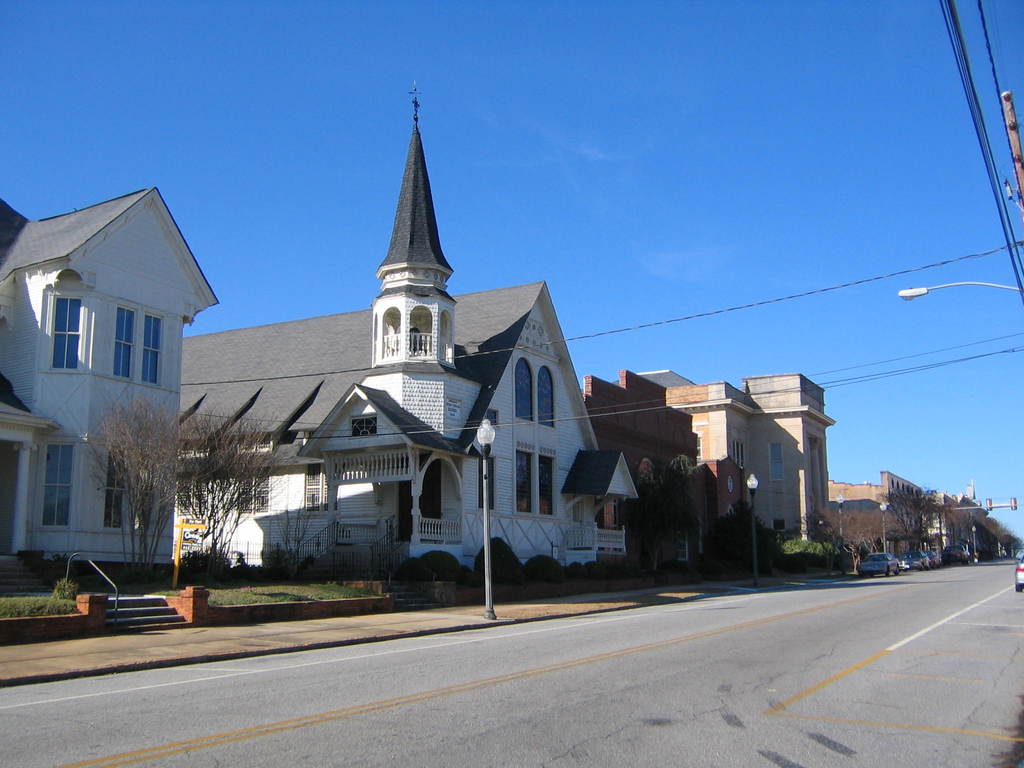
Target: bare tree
[
  {"x": 224, "y": 474},
  {"x": 135, "y": 458},
  {"x": 913, "y": 512},
  {"x": 292, "y": 529}
]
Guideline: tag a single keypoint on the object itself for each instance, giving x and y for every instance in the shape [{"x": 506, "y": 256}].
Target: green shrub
[
  {"x": 623, "y": 570},
  {"x": 816, "y": 553},
  {"x": 414, "y": 569},
  {"x": 470, "y": 578},
  {"x": 544, "y": 568},
  {"x": 444, "y": 564},
  {"x": 575, "y": 571},
  {"x": 65, "y": 589},
  {"x": 505, "y": 565},
  {"x": 711, "y": 566},
  {"x": 793, "y": 562},
  {"x": 14, "y": 607},
  {"x": 596, "y": 570}
]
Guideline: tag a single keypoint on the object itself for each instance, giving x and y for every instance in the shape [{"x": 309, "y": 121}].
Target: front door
[
  {"x": 8, "y": 486},
  {"x": 404, "y": 510},
  {"x": 430, "y": 497}
]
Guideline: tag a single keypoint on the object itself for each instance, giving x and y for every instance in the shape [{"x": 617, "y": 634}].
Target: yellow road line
[
  {"x": 244, "y": 734},
  {"x": 933, "y": 677},
  {"x": 903, "y": 726},
  {"x": 815, "y": 688}
]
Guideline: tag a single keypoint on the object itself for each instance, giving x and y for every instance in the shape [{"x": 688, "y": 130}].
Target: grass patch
[
  {"x": 14, "y": 607},
  {"x": 247, "y": 594}
]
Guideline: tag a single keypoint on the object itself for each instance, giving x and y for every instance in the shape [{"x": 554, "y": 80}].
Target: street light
[
  {"x": 485, "y": 436},
  {"x": 883, "y": 506},
  {"x": 752, "y": 487},
  {"x": 909, "y": 294},
  {"x": 841, "y": 500}
]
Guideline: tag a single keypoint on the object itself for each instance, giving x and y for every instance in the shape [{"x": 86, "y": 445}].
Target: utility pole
[{"x": 1013, "y": 133}]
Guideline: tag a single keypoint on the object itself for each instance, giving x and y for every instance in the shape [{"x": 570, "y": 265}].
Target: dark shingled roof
[
  {"x": 24, "y": 242},
  {"x": 287, "y": 360},
  {"x": 414, "y": 238},
  {"x": 592, "y": 473}
]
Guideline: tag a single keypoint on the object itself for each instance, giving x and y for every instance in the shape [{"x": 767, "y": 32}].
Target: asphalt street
[{"x": 923, "y": 669}]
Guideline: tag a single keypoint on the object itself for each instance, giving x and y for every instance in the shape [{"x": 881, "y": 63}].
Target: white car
[
  {"x": 877, "y": 564},
  {"x": 1018, "y": 578}
]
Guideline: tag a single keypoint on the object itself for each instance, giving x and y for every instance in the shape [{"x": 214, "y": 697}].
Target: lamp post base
[{"x": 489, "y": 614}]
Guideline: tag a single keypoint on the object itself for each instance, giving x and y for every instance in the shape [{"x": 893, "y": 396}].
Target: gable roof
[
  {"x": 286, "y": 361},
  {"x": 32, "y": 242},
  {"x": 416, "y": 431},
  {"x": 593, "y": 473},
  {"x": 414, "y": 238}
]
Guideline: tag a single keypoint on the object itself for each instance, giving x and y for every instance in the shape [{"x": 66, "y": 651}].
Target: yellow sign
[{"x": 179, "y": 535}]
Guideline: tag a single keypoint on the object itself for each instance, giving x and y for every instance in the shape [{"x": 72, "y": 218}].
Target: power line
[
  {"x": 917, "y": 354},
  {"x": 662, "y": 406},
  {"x": 641, "y": 326}
]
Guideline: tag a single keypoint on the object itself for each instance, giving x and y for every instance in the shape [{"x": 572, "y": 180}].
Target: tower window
[{"x": 66, "y": 332}]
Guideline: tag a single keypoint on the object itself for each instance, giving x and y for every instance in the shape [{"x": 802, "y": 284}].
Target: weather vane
[{"x": 415, "y": 103}]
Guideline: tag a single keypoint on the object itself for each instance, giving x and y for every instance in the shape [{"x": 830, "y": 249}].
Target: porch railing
[
  {"x": 370, "y": 467},
  {"x": 610, "y": 540},
  {"x": 440, "y": 530},
  {"x": 580, "y": 536}
]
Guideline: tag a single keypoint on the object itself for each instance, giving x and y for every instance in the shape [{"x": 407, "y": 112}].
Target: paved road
[{"x": 919, "y": 670}]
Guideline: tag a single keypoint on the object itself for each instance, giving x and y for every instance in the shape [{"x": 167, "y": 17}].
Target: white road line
[
  {"x": 983, "y": 624},
  {"x": 377, "y": 652},
  {"x": 949, "y": 618}
]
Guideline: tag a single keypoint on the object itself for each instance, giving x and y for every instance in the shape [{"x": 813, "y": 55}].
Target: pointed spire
[{"x": 414, "y": 239}]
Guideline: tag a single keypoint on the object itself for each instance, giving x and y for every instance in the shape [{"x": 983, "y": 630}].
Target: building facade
[
  {"x": 373, "y": 414},
  {"x": 773, "y": 427},
  {"x": 92, "y": 306}
]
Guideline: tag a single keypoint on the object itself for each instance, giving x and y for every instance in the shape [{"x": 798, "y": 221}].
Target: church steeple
[
  {"x": 414, "y": 316},
  {"x": 414, "y": 238}
]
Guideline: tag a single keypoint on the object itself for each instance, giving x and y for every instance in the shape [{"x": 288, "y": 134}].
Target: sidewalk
[{"x": 80, "y": 657}]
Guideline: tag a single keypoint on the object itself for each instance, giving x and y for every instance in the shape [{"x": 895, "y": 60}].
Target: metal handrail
[{"x": 67, "y": 575}]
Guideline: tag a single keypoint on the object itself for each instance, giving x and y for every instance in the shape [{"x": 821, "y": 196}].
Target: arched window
[
  {"x": 524, "y": 390},
  {"x": 447, "y": 348},
  {"x": 545, "y": 397},
  {"x": 390, "y": 340},
  {"x": 421, "y": 333}
]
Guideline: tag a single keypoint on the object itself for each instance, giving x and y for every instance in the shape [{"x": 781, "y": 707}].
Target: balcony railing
[
  {"x": 610, "y": 540},
  {"x": 421, "y": 344},
  {"x": 587, "y": 536}
]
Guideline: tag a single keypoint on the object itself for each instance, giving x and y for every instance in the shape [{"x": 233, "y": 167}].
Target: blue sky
[{"x": 649, "y": 160}]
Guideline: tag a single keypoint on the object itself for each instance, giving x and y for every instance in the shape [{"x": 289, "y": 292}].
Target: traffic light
[
  {"x": 988, "y": 504},
  {"x": 1013, "y": 503}
]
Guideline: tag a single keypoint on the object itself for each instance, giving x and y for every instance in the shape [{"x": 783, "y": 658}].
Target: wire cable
[{"x": 640, "y": 326}]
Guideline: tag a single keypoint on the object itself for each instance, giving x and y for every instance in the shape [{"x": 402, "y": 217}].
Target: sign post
[{"x": 179, "y": 535}]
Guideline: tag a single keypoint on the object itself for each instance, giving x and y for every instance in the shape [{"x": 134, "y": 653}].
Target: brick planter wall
[
  {"x": 90, "y": 620},
  {"x": 319, "y": 609}
]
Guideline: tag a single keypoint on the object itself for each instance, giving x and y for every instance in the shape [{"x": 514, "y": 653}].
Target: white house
[
  {"x": 92, "y": 305},
  {"x": 373, "y": 414}
]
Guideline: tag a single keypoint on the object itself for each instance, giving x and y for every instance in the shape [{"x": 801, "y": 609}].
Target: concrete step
[{"x": 142, "y": 612}]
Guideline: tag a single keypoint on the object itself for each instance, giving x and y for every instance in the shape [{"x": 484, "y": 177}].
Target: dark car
[
  {"x": 956, "y": 553},
  {"x": 934, "y": 558},
  {"x": 917, "y": 561}
]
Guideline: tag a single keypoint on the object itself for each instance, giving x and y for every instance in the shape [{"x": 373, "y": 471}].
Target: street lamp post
[
  {"x": 485, "y": 436},
  {"x": 842, "y": 565},
  {"x": 752, "y": 487},
  {"x": 909, "y": 294},
  {"x": 883, "y": 506}
]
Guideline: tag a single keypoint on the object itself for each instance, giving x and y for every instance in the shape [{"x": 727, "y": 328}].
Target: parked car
[
  {"x": 917, "y": 561},
  {"x": 934, "y": 558},
  {"x": 1018, "y": 578},
  {"x": 956, "y": 553},
  {"x": 878, "y": 563}
]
